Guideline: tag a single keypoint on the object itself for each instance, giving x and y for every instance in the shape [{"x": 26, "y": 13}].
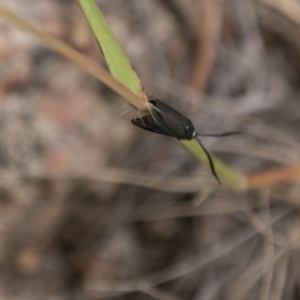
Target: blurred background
[{"x": 92, "y": 207}]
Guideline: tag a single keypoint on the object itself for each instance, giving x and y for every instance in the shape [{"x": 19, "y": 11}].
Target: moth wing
[
  {"x": 181, "y": 127},
  {"x": 154, "y": 123}
]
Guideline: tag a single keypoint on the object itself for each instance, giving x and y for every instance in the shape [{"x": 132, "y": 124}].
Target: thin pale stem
[{"x": 75, "y": 56}]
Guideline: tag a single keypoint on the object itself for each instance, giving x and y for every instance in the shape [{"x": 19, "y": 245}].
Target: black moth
[{"x": 168, "y": 121}]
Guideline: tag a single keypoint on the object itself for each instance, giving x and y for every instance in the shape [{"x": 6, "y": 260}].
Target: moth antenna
[
  {"x": 210, "y": 160},
  {"x": 220, "y": 134}
]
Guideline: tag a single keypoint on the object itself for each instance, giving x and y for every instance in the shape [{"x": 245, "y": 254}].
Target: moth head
[{"x": 190, "y": 132}]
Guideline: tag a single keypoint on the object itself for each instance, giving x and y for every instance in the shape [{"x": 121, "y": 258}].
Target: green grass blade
[
  {"x": 227, "y": 175},
  {"x": 117, "y": 61}
]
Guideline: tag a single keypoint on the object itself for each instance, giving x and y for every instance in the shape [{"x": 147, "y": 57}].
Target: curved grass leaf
[{"x": 117, "y": 61}]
